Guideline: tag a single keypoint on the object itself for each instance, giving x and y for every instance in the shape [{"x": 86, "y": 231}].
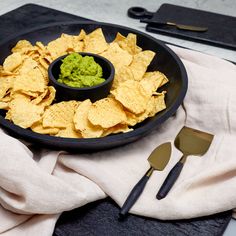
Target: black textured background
[{"x": 101, "y": 217}]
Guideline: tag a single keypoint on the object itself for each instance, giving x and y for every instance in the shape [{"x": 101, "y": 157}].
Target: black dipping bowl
[
  {"x": 165, "y": 61},
  {"x": 66, "y": 93}
]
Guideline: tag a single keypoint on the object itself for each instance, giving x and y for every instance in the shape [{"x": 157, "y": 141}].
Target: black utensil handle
[
  {"x": 134, "y": 195},
  {"x": 139, "y": 13},
  {"x": 170, "y": 180},
  {"x": 153, "y": 23}
]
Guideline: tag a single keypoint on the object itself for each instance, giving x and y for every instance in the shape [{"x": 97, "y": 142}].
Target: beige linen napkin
[{"x": 37, "y": 185}]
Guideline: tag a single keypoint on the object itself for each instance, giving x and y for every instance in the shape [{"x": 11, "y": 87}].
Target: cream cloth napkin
[{"x": 37, "y": 185}]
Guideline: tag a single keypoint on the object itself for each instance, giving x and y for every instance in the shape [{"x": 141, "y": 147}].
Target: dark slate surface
[
  {"x": 30, "y": 16},
  {"x": 221, "y": 28},
  {"x": 101, "y": 217}
]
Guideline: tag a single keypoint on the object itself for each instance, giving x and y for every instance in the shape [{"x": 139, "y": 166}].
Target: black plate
[{"x": 165, "y": 61}]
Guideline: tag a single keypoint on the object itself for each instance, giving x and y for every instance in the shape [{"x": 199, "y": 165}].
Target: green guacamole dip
[{"x": 78, "y": 71}]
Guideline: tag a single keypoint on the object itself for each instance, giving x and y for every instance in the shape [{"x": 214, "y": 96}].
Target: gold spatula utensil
[
  {"x": 190, "y": 142},
  {"x": 158, "y": 161}
]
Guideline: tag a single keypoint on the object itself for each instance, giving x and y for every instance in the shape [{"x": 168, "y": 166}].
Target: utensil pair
[{"x": 190, "y": 142}]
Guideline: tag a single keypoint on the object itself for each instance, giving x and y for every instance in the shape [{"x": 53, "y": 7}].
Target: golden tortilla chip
[
  {"x": 151, "y": 81},
  {"x": 132, "y": 96},
  {"x": 38, "y": 128},
  {"x": 19, "y": 95},
  {"x": 32, "y": 81},
  {"x": 30, "y": 93},
  {"x": 158, "y": 104},
  {"x": 132, "y": 119},
  {"x": 6, "y": 85},
  {"x": 57, "y": 48},
  {"x": 140, "y": 63},
  {"x": 44, "y": 73},
  {"x": 69, "y": 132},
  {"x": 59, "y": 115},
  {"x": 122, "y": 74},
  {"x": 120, "y": 128},
  {"x": 4, "y": 73},
  {"x": 74, "y": 41},
  {"x": 23, "y": 112},
  {"x": 12, "y": 61},
  {"x": 41, "y": 48},
  {"x": 118, "y": 56},
  {"x": 27, "y": 65},
  {"x": 82, "y": 124},
  {"x": 4, "y": 105},
  {"x": 106, "y": 113},
  {"x": 22, "y": 46},
  {"x": 155, "y": 104},
  {"x": 46, "y": 98},
  {"x": 128, "y": 43},
  {"x": 7, "y": 98},
  {"x": 95, "y": 42},
  {"x": 43, "y": 63}
]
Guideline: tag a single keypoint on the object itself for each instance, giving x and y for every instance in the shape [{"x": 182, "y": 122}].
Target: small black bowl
[{"x": 66, "y": 93}]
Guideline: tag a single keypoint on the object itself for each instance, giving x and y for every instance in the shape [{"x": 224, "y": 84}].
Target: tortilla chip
[
  {"x": 23, "y": 112},
  {"x": 6, "y": 85},
  {"x": 132, "y": 96},
  {"x": 44, "y": 73},
  {"x": 4, "y": 105},
  {"x": 27, "y": 65},
  {"x": 118, "y": 56},
  {"x": 122, "y": 74},
  {"x": 32, "y": 81},
  {"x": 120, "y": 128},
  {"x": 57, "y": 48},
  {"x": 22, "y": 46},
  {"x": 140, "y": 63},
  {"x": 82, "y": 124},
  {"x": 151, "y": 81},
  {"x": 95, "y": 42},
  {"x": 4, "y": 73},
  {"x": 106, "y": 113},
  {"x": 158, "y": 104},
  {"x": 59, "y": 115},
  {"x": 12, "y": 61},
  {"x": 46, "y": 98},
  {"x": 38, "y": 128},
  {"x": 74, "y": 41},
  {"x": 69, "y": 132},
  {"x": 128, "y": 43}
]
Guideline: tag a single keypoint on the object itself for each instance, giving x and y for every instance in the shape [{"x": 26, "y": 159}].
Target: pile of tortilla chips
[{"x": 29, "y": 101}]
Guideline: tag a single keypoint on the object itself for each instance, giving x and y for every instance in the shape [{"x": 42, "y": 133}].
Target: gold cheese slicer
[
  {"x": 158, "y": 161},
  {"x": 190, "y": 142}
]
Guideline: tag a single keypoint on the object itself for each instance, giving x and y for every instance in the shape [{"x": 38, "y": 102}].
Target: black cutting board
[
  {"x": 100, "y": 218},
  {"x": 221, "y": 28}
]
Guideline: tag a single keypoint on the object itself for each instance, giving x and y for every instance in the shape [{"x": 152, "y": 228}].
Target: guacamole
[{"x": 79, "y": 71}]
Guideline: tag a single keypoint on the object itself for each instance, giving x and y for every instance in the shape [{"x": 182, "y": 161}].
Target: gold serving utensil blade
[
  {"x": 158, "y": 160},
  {"x": 159, "y": 157},
  {"x": 190, "y": 142},
  {"x": 155, "y": 23},
  {"x": 188, "y": 27}
]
